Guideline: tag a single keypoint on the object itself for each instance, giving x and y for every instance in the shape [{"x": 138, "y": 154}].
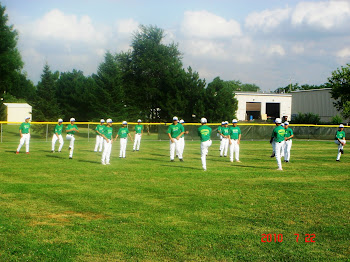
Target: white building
[
  {"x": 263, "y": 105},
  {"x": 317, "y": 101},
  {"x": 16, "y": 112}
]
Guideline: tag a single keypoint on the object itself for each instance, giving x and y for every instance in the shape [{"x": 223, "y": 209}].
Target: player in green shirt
[
  {"x": 278, "y": 135},
  {"x": 288, "y": 141},
  {"x": 123, "y": 133},
  {"x": 182, "y": 138},
  {"x": 71, "y": 129},
  {"x": 138, "y": 135},
  {"x": 219, "y": 134},
  {"x": 225, "y": 132},
  {"x": 340, "y": 141},
  {"x": 57, "y": 135},
  {"x": 107, "y": 136},
  {"x": 204, "y": 133},
  {"x": 175, "y": 131},
  {"x": 25, "y": 135},
  {"x": 235, "y": 140},
  {"x": 99, "y": 139}
]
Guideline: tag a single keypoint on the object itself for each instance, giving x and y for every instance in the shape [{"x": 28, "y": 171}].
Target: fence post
[
  {"x": 88, "y": 132},
  {"x": 308, "y": 133},
  {"x": 1, "y": 132},
  {"x": 47, "y": 131}
]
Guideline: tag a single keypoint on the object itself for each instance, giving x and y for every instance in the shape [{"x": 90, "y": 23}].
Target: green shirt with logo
[
  {"x": 219, "y": 129},
  {"x": 278, "y": 133},
  {"x": 123, "y": 132},
  {"x": 204, "y": 133},
  {"x": 100, "y": 128},
  {"x": 138, "y": 129},
  {"x": 340, "y": 135},
  {"x": 108, "y": 132},
  {"x": 235, "y": 132},
  {"x": 289, "y": 132},
  {"x": 225, "y": 131},
  {"x": 58, "y": 129},
  {"x": 69, "y": 127},
  {"x": 175, "y": 130},
  {"x": 24, "y": 127}
]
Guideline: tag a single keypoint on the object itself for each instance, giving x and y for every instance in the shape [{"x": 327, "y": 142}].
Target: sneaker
[
  {"x": 287, "y": 161},
  {"x": 137, "y": 150},
  {"x": 108, "y": 163},
  {"x": 95, "y": 151},
  {"x": 172, "y": 160},
  {"x": 231, "y": 161},
  {"x": 70, "y": 157},
  {"x": 17, "y": 152},
  {"x": 27, "y": 153},
  {"x": 181, "y": 160},
  {"x": 69, "y": 148},
  {"x": 133, "y": 150},
  {"x": 279, "y": 169},
  {"x": 225, "y": 156},
  {"x": 337, "y": 160},
  {"x": 273, "y": 155},
  {"x": 238, "y": 161},
  {"x": 103, "y": 163},
  {"x": 204, "y": 169},
  {"x": 220, "y": 156},
  {"x": 341, "y": 151},
  {"x": 52, "y": 151}
]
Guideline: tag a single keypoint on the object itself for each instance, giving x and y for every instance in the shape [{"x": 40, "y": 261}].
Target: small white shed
[{"x": 16, "y": 112}]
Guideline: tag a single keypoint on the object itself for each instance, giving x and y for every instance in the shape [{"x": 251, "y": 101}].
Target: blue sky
[{"x": 269, "y": 43}]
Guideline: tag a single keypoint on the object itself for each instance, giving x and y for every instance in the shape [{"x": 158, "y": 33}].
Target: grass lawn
[{"x": 147, "y": 208}]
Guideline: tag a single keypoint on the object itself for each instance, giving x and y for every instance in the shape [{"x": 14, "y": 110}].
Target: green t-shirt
[
  {"x": 278, "y": 133},
  {"x": 225, "y": 131},
  {"x": 69, "y": 127},
  {"x": 204, "y": 133},
  {"x": 100, "y": 128},
  {"x": 289, "y": 132},
  {"x": 183, "y": 135},
  {"x": 340, "y": 135},
  {"x": 108, "y": 132},
  {"x": 123, "y": 132},
  {"x": 24, "y": 127},
  {"x": 138, "y": 129},
  {"x": 58, "y": 129},
  {"x": 219, "y": 129},
  {"x": 175, "y": 130},
  {"x": 235, "y": 132}
]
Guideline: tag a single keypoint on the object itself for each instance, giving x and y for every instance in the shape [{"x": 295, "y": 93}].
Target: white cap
[
  {"x": 223, "y": 122},
  {"x": 108, "y": 120},
  {"x": 125, "y": 123},
  {"x": 182, "y": 121},
  {"x": 139, "y": 121},
  {"x": 175, "y": 118},
  {"x": 234, "y": 121},
  {"x": 226, "y": 122},
  {"x": 278, "y": 121},
  {"x": 27, "y": 117},
  {"x": 72, "y": 119},
  {"x": 286, "y": 123},
  {"x": 102, "y": 121},
  {"x": 341, "y": 126},
  {"x": 60, "y": 120},
  {"x": 203, "y": 120},
  {"x": 282, "y": 124}
]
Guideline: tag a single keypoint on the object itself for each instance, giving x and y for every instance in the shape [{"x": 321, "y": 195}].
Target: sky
[{"x": 270, "y": 43}]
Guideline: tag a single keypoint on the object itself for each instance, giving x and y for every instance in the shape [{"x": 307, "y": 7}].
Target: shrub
[
  {"x": 307, "y": 118},
  {"x": 336, "y": 120}
]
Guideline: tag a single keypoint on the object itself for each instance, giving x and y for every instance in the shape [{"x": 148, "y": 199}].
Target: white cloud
[
  {"x": 298, "y": 49},
  {"x": 326, "y": 15},
  {"x": 127, "y": 26},
  {"x": 267, "y": 19},
  {"x": 203, "y": 24},
  {"x": 275, "y": 50},
  {"x": 205, "y": 48},
  {"x": 344, "y": 53}
]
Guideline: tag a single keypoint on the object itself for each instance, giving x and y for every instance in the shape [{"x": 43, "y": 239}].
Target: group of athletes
[{"x": 230, "y": 137}]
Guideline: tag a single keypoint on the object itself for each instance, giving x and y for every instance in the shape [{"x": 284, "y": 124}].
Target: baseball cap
[
  {"x": 175, "y": 118},
  {"x": 341, "y": 126},
  {"x": 223, "y": 122},
  {"x": 278, "y": 121},
  {"x": 102, "y": 121},
  {"x": 226, "y": 122},
  {"x": 125, "y": 123},
  {"x": 203, "y": 120},
  {"x": 27, "y": 117},
  {"x": 282, "y": 124},
  {"x": 234, "y": 121},
  {"x": 108, "y": 120},
  {"x": 139, "y": 121},
  {"x": 60, "y": 120},
  {"x": 286, "y": 123},
  {"x": 72, "y": 119},
  {"x": 182, "y": 121}
]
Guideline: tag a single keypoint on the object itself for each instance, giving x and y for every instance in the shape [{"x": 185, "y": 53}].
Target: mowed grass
[{"x": 147, "y": 208}]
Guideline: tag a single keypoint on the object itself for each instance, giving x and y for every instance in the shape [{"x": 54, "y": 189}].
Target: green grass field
[{"x": 147, "y": 208}]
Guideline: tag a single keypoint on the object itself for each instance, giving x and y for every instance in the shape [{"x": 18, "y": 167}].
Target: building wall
[
  {"x": 317, "y": 101},
  {"x": 16, "y": 112},
  {"x": 285, "y": 101}
]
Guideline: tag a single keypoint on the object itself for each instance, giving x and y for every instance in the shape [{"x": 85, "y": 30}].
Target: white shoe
[
  {"x": 279, "y": 169},
  {"x": 238, "y": 161},
  {"x": 108, "y": 163},
  {"x": 103, "y": 163}
]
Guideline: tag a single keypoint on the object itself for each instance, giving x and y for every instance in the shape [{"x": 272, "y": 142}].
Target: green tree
[
  {"x": 340, "y": 84},
  {"x": 45, "y": 106}
]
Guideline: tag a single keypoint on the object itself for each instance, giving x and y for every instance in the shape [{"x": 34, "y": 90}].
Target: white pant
[
  {"x": 234, "y": 148},
  {"x": 54, "y": 140},
  {"x": 340, "y": 146},
  {"x": 99, "y": 143},
  {"x": 182, "y": 145},
  {"x": 224, "y": 146},
  {"x": 24, "y": 139},
  {"x": 278, "y": 148},
  {"x": 123, "y": 142},
  {"x": 107, "y": 148},
  {"x": 71, "y": 138},
  {"x": 221, "y": 143},
  {"x": 175, "y": 146},
  {"x": 273, "y": 144},
  {"x": 287, "y": 147},
  {"x": 281, "y": 147},
  {"x": 137, "y": 142},
  {"x": 204, "y": 151}
]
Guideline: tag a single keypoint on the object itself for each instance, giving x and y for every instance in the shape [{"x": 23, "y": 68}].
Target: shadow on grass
[
  {"x": 186, "y": 167},
  {"x": 89, "y": 161},
  {"x": 54, "y": 156}
]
